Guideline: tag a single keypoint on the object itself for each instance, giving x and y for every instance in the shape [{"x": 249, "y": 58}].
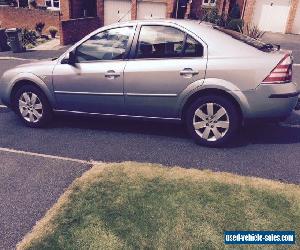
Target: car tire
[
  {"x": 32, "y": 106},
  {"x": 213, "y": 120}
]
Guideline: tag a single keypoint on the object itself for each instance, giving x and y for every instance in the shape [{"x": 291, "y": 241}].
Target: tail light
[{"x": 282, "y": 73}]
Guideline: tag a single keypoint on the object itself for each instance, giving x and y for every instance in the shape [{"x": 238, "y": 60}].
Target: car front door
[
  {"x": 166, "y": 60},
  {"x": 94, "y": 84}
]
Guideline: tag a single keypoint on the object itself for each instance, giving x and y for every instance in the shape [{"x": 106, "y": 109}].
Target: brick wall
[
  {"x": 197, "y": 8},
  {"x": 249, "y": 10},
  {"x": 27, "y": 18},
  {"x": 221, "y": 5},
  {"x": 65, "y": 9},
  {"x": 133, "y": 9},
  {"x": 74, "y": 29},
  {"x": 100, "y": 11},
  {"x": 171, "y": 7},
  {"x": 292, "y": 15},
  {"x": 41, "y": 2}
]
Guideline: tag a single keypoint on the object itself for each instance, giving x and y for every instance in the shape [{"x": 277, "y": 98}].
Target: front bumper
[{"x": 270, "y": 101}]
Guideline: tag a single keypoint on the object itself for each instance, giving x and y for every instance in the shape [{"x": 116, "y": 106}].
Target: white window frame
[
  {"x": 209, "y": 2},
  {"x": 52, "y": 4}
]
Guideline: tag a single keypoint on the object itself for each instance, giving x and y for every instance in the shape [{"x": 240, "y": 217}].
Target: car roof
[{"x": 204, "y": 26}]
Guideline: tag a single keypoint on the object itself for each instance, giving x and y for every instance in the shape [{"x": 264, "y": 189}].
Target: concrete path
[{"x": 53, "y": 44}]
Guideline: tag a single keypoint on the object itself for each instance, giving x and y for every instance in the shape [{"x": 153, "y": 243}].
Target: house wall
[
  {"x": 41, "y": 2},
  {"x": 134, "y": 8},
  {"x": 27, "y": 18},
  {"x": 291, "y": 23},
  {"x": 171, "y": 5},
  {"x": 77, "y": 8},
  {"x": 250, "y": 8},
  {"x": 65, "y": 9},
  {"x": 100, "y": 11},
  {"x": 76, "y": 28},
  {"x": 197, "y": 9},
  {"x": 249, "y": 11}
]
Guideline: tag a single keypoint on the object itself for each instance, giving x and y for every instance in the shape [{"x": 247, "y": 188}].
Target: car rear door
[{"x": 164, "y": 60}]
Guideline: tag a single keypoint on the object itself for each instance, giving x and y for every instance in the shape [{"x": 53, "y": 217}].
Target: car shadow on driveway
[
  {"x": 256, "y": 133},
  {"x": 126, "y": 125},
  {"x": 265, "y": 133}
]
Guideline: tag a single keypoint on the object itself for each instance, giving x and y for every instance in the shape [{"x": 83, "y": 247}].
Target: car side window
[
  {"x": 166, "y": 42},
  {"x": 107, "y": 45},
  {"x": 160, "y": 42},
  {"x": 193, "y": 48}
]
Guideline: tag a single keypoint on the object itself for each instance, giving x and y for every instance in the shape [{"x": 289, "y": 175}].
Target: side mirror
[{"x": 72, "y": 58}]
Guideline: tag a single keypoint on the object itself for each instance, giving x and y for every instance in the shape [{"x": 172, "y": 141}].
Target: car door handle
[
  {"x": 111, "y": 74},
  {"x": 188, "y": 72}
]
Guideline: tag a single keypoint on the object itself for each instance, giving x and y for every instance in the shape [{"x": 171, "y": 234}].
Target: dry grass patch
[{"x": 145, "y": 206}]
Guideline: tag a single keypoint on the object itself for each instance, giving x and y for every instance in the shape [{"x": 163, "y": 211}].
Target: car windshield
[{"x": 267, "y": 47}]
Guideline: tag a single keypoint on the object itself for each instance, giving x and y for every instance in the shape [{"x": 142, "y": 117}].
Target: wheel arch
[
  {"x": 33, "y": 82},
  {"x": 210, "y": 91}
]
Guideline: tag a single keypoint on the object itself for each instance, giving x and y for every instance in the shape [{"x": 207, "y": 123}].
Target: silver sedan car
[{"x": 210, "y": 78}]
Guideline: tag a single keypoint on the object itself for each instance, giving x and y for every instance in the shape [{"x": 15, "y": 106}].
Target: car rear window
[{"x": 266, "y": 47}]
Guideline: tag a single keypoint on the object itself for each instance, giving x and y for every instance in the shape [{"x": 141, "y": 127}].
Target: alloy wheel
[
  {"x": 211, "y": 121},
  {"x": 31, "y": 107}
]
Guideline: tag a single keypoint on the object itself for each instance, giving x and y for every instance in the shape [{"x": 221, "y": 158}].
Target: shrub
[
  {"x": 39, "y": 27},
  {"x": 33, "y": 3},
  {"x": 235, "y": 24},
  {"x": 211, "y": 15},
  {"x": 28, "y": 37},
  {"x": 252, "y": 31},
  {"x": 53, "y": 31}
]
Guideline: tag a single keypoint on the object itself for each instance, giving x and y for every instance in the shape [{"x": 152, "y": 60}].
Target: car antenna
[{"x": 124, "y": 15}]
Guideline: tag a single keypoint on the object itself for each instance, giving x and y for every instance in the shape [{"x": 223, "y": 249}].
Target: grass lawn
[{"x": 144, "y": 206}]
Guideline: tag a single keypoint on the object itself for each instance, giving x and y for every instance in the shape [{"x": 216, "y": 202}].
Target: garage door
[
  {"x": 296, "y": 25},
  {"x": 271, "y": 15},
  {"x": 148, "y": 10},
  {"x": 114, "y": 10}
]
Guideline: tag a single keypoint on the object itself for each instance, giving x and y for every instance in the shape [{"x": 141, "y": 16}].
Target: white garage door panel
[
  {"x": 114, "y": 10},
  {"x": 271, "y": 15},
  {"x": 148, "y": 10},
  {"x": 296, "y": 25}
]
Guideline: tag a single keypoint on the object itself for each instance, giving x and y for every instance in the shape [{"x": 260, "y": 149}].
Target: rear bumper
[{"x": 270, "y": 101}]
